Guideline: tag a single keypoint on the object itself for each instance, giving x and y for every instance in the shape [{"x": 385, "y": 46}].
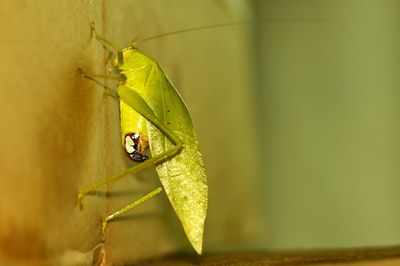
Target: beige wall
[{"x": 59, "y": 132}]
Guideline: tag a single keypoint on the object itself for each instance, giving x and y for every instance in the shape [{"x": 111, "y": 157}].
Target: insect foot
[
  {"x": 79, "y": 200},
  {"x": 83, "y": 74},
  {"x": 104, "y": 229},
  {"x": 93, "y": 28}
]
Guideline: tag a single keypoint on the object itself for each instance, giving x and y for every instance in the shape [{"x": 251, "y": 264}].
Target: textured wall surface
[
  {"x": 52, "y": 130},
  {"x": 59, "y": 132}
]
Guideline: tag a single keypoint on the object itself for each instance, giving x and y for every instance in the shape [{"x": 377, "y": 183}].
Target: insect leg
[
  {"x": 107, "y": 43},
  {"x": 99, "y": 76},
  {"x": 127, "y": 208},
  {"x": 102, "y": 39},
  {"x": 94, "y": 78},
  {"x": 150, "y": 162}
]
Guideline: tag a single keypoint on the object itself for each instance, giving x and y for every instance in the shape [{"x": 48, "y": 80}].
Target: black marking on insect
[{"x": 134, "y": 145}]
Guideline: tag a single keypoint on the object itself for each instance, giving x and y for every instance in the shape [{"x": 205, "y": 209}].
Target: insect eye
[{"x": 122, "y": 77}]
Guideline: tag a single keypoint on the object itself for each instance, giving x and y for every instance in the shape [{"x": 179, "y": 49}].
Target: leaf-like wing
[{"x": 183, "y": 176}]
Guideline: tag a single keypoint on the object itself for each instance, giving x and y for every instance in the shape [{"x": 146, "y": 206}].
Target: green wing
[{"x": 183, "y": 176}]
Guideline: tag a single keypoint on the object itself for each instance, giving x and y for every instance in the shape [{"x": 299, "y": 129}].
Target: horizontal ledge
[{"x": 314, "y": 257}]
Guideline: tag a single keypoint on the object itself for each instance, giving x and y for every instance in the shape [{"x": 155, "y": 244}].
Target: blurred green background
[{"x": 327, "y": 99}]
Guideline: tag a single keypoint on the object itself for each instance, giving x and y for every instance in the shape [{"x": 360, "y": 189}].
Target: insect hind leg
[{"x": 118, "y": 213}]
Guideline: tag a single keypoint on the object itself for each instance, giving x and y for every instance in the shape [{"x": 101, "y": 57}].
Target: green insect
[{"x": 154, "y": 116}]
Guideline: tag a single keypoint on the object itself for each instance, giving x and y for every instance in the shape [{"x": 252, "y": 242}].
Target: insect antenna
[
  {"x": 244, "y": 22},
  {"x": 192, "y": 29}
]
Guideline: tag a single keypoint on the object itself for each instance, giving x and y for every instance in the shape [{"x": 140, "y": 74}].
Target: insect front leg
[{"x": 107, "y": 43}]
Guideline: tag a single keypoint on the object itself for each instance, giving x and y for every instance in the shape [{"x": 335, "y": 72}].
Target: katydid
[{"x": 153, "y": 116}]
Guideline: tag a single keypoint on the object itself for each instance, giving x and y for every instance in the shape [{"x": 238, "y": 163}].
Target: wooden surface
[{"x": 354, "y": 257}]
